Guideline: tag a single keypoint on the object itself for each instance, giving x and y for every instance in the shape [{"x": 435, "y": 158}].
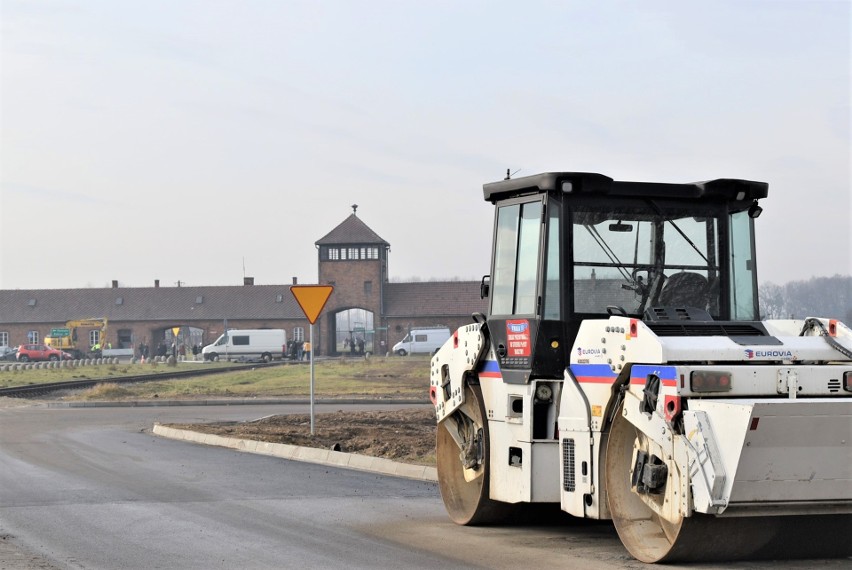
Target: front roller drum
[
  {"x": 463, "y": 464},
  {"x": 650, "y": 538}
]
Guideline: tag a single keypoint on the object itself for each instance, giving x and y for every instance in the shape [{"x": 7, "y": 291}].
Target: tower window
[{"x": 349, "y": 253}]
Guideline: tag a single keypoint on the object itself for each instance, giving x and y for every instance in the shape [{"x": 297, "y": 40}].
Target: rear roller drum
[
  {"x": 651, "y": 538},
  {"x": 463, "y": 451},
  {"x": 644, "y": 533}
]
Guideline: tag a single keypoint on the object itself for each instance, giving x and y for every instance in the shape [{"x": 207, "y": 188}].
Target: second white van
[{"x": 423, "y": 341}]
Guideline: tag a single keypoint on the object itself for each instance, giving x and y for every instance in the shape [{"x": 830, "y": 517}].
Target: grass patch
[
  {"x": 391, "y": 377},
  {"x": 104, "y": 391}
]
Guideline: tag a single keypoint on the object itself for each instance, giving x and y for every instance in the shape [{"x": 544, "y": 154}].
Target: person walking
[{"x": 307, "y": 352}]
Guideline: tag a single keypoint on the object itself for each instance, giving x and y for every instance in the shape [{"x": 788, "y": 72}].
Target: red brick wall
[{"x": 348, "y": 278}]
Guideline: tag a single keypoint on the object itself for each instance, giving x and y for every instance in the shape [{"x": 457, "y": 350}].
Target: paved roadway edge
[
  {"x": 316, "y": 455},
  {"x": 230, "y": 402}
]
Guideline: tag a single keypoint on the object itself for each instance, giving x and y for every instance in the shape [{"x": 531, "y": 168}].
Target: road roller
[{"x": 623, "y": 372}]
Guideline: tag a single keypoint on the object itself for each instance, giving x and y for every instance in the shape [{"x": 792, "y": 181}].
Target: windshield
[{"x": 645, "y": 257}]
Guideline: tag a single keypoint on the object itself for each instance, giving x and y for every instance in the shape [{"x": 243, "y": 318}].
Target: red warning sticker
[{"x": 518, "y": 337}]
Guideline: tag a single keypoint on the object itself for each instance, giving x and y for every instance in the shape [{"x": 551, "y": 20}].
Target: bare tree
[
  {"x": 772, "y": 300},
  {"x": 817, "y": 297}
]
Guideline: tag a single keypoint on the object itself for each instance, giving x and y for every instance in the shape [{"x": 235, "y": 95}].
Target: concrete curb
[{"x": 307, "y": 454}]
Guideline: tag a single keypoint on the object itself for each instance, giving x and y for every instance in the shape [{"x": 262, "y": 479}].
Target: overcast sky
[{"x": 186, "y": 140}]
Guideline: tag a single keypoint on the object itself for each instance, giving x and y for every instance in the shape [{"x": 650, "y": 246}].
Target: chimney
[
  {"x": 248, "y": 281},
  {"x": 114, "y": 284},
  {"x": 295, "y": 280},
  {"x": 156, "y": 283}
]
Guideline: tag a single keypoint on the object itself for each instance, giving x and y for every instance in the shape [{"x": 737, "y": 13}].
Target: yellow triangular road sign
[{"x": 312, "y": 299}]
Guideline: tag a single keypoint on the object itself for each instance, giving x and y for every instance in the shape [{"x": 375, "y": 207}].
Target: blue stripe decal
[
  {"x": 597, "y": 370},
  {"x": 489, "y": 366},
  {"x": 664, "y": 372}
]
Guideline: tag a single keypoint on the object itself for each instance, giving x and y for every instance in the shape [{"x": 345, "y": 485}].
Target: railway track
[{"x": 35, "y": 390}]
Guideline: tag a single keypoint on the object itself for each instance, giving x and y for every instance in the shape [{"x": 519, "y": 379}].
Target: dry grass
[
  {"x": 392, "y": 377},
  {"x": 105, "y": 391}
]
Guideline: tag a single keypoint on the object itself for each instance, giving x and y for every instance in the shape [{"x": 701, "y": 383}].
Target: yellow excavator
[{"x": 68, "y": 341}]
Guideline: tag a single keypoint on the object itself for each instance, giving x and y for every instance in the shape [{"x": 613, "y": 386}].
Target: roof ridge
[{"x": 352, "y": 230}]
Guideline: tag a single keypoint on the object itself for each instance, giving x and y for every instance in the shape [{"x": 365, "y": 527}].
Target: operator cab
[{"x": 574, "y": 246}]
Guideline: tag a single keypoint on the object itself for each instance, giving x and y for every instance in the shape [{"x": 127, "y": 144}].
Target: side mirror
[
  {"x": 754, "y": 210},
  {"x": 484, "y": 286}
]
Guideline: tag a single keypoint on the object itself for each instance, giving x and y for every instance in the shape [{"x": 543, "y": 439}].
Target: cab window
[
  {"x": 742, "y": 274},
  {"x": 516, "y": 256}
]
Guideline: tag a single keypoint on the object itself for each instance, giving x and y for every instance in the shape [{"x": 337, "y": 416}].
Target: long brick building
[{"x": 365, "y": 305}]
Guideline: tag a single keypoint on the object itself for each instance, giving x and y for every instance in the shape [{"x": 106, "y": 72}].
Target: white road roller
[{"x": 623, "y": 372}]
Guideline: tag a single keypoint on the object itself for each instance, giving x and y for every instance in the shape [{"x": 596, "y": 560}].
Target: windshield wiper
[
  {"x": 608, "y": 251},
  {"x": 680, "y": 231}
]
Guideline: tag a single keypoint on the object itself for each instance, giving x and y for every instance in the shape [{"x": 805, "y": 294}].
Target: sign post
[{"x": 312, "y": 299}]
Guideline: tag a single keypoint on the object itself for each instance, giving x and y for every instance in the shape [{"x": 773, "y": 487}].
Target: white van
[
  {"x": 426, "y": 340},
  {"x": 248, "y": 344}
]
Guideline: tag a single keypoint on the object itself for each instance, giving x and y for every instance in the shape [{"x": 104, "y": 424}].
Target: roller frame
[
  {"x": 673, "y": 452},
  {"x": 456, "y": 359}
]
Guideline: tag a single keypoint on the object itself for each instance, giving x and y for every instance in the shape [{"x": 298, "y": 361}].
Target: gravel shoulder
[{"x": 14, "y": 557}]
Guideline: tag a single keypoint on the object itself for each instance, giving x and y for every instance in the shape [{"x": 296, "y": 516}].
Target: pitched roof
[
  {"x": 432, "y": 299},
  {"x": 350, "y": 231},
  {"x": 149, "y": 304},
  {"x": 257, "y": 302}
]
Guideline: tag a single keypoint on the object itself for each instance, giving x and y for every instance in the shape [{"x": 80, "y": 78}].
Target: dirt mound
[{"x": 403, "y": 435}]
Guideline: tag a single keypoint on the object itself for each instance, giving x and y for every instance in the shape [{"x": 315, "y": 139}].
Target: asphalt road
[{"x": 93, "y": 488}]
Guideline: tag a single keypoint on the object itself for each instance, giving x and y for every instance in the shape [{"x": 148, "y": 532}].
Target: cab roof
[{"x": 731, "y": 189}]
